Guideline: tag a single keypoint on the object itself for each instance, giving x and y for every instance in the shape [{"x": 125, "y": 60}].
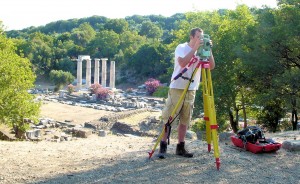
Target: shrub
[
  {"x": 70, "y": 88},
  {"x": 102, "y": 93},
  {"x": 99, "y": 91},
  {"x": 152, "y": 85},
  {"x": 161, "y": 91},
  {"x": 94, "y": 87},
  {"x": 199, "y": 125},
  {"x": 60, "y": 78},
  {"x": 129, "y": 90}
]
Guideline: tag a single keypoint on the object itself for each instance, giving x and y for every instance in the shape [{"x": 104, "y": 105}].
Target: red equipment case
[{"x": 258, "y": 147}]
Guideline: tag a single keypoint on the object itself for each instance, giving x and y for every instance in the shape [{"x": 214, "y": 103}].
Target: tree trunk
[
  {"x": 232, "y": 122},
  {"x": 294, "y": 115},
  {"x": 275, "y": 125},
  {"x": 244, "y": 111},
  {"x": 19, "y": 133}
]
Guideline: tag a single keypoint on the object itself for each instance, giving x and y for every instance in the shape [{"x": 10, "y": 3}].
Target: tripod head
[{"x": 204, "y": 50}]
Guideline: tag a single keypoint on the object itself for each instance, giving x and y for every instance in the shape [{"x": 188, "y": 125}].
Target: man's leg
[
  {"x": 180, "y": 149},
  {"x": 182, "y": 129},
  {"x": 185, "y": 118},
  {"x": 163, "y": 146},
  {"x": 173, "y": 97}
]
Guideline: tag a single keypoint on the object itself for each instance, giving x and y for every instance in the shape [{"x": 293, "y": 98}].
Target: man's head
[{"x": 195, "y": 34}]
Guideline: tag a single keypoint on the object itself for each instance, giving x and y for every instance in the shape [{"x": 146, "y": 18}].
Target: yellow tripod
[{"x": 209, "y": 108}]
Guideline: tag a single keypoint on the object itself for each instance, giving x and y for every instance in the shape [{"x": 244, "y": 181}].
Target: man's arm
[
  {"x": 187, "y": 58},
  {"x": 184, "y": 61}
]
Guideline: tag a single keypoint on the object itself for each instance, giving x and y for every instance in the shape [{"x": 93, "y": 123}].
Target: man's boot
[
  {"x": 180, "y": 150},
  {"x": 162, "y": 149}
]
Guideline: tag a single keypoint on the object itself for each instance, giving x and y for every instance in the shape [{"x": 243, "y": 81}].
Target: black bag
[{"x": 251, "y": 134}]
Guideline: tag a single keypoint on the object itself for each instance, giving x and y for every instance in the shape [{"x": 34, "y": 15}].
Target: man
[{"x": 183, "y": 54}]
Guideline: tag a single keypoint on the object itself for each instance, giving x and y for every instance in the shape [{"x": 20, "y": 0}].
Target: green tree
[
  {"x": 66, "y": 65},
  {"x": 17, "y": 78},
  {"x": 278, "y": 54},
  {"x": 117, "y": 25},
  {"x": 61, "y": 78},
  {"x": 151, "y": 30},
  {"x": 39, "y": 49},
  {"x": 271, "y": 113},
  {"x": 83, "y": 34},
  {"x": 150, "y": 61},
  {"x": 105, "y": 44},
  {"x": 130, "y": 43},
  {"x": 287, "y": 16}
]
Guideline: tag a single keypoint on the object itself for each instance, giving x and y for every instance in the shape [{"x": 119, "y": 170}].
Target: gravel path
[{"x": 116, "y": 159}]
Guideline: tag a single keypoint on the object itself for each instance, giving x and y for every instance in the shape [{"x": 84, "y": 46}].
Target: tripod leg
[
  {"x": 210, "y": 115},
  {"x": 206, "y": 104},
  {"x": 213, "y": 122},
  {"x": 207, "y": 123}
]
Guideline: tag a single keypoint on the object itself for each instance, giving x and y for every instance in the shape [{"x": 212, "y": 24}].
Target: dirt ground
[
  {"x": 76, "y": 114},
  {"x": 124, "y": 159}
]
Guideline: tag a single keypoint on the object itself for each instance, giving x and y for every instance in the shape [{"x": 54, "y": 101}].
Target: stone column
[
  {"x": 79, "y": 73},
  {"x": 104, "y": 72},
  {"x": 96, "y": 74},
  {"x": 88, "y": 73},
  {"x": 112, "y": 75}
]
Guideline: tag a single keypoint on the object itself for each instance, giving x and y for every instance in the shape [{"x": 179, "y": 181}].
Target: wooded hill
[{"x": 256, "y": 51}]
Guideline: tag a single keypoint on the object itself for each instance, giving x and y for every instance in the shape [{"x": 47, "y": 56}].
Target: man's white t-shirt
[{"x": 181, "y": 51}]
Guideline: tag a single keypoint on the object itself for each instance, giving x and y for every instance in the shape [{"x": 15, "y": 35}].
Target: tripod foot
[
  {"x": 209, "y": 147},
  {"x": 150, "y": 153},
  {"x": 218, "y": 163}
]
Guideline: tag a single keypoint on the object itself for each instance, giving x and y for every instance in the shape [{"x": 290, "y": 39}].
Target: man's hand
[{"x": 198, "y": 43}]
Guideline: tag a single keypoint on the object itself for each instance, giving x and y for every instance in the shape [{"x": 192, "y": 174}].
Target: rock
[
  {"x": 291, "y": 145},
  {"x": 201, "y": 135},
  {"x": 68, "y": 138},
  {"x": 30, "y": 134},
  {"x": 121, "y": 127},
  {"x": 102, "y": 133},
  {"x": 130, "y": 135},
  {"x": 191, "y": 135},
  {"x": 43, "y": 122},
  {"x": 4, "y": 135},
  {"x": 82, "y": 133},
  {"x": 37, "y": 132},
  {"x": 225, "y": 136},
  {"x": 90, "y": 125}
]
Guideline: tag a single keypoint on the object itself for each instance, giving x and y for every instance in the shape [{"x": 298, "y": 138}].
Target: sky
[{"x": 19, "y": 14}]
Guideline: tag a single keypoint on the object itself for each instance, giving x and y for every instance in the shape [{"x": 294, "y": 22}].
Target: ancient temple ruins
[{"x": 88, "y": 78}]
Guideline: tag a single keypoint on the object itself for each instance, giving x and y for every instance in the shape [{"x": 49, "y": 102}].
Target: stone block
[
  {"x": 30, "y": 134},
  {"x": 102, "y": 133},
  {"x": 225, "y": 136},
  {"x": 291, "y": 145},
  {"x": 82, "y": 133},
  {"x": 4, "y": 135},
  {"x": 191, "y": 135}
]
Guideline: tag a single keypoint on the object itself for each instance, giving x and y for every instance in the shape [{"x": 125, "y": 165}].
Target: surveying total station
[
  {"x": 208, "y": 99},
  {"x": 204, "y": 50}
]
